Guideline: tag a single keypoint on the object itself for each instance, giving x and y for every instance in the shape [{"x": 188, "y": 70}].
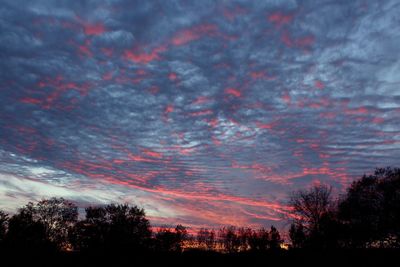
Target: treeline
[
  {"x": 53, "y": 225},
  {"x": 238, "y": 239},
  {"x": 367, "y": 215}
]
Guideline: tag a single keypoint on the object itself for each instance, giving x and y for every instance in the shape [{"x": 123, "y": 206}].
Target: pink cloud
[
  {"x": 280, "y": 19},
  {"x": 191, "y": 34},
  {"x": 233, "y": 91},
  {"x": 143, "y": 57},
  {"x": 94, "y": 29}
]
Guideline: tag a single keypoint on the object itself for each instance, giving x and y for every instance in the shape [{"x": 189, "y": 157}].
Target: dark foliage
[
  {"x": 43, "y": 224},
  {"x": 206, "y": 238},
  {"x": 113, "y": 227},
  {"x": 167, "y": 240},
  {"x": 366, "y": 217},
  {"x": 3, "y": 225},
  {"x": 314, "y": 223},
  {"x": 245, "y": 239},
  {"x": 259, "y": 240},
  {"x": 27, "y": 234},
  {"x": 275, "y": 240},
  {"x": 297, "y": 235},
  {"x": 371, "y": 210},
  {"x": 229, "y": 239}
]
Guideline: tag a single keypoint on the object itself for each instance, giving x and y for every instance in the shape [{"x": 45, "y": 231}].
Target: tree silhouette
[
  {"x": 91, "y": 233},
  {"x": 171, "y": 241},
  {"x": 182, "y": 233},
  {"x": 368, "y": 215},
  {"x": 26, "y": 234},
  {"x": 113, "y": 227},
  {"x": 243, "y": 235},
  {"x": 128, "y": 227},
  {"x": 229, "y": 238},
  {"x": 206, "y": 238},
  {"x": 313, "y": 211},
  {"x": 3, "y": 226},
  {"x": 259, "y": 240},
  {"x": 275, "y": 239},
  {"x": 49, "y": 220},
  {"x": 371, "y": 210},
  {"x": 297, "y": 235},
  {"x": 58, "y": 216}
]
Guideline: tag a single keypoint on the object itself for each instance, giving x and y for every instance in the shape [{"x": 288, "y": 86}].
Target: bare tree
[
  {"x": 310, "y": 206},
  {"x": 313, "y": 212},
  {"x": 206, "y": 238},
  {"x": 229, "y": 239}
]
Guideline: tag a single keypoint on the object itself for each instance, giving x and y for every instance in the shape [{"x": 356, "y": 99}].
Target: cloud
[{"x": 197, "y": 111}]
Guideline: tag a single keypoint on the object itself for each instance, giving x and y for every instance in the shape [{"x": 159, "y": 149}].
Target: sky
[{"x": 205, "y": 113}]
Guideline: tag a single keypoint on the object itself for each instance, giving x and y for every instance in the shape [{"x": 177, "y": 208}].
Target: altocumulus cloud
[{"x": 203, "y": 112}]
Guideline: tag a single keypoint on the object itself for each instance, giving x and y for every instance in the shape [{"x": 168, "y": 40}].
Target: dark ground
[{"x": 200, "y": 258}]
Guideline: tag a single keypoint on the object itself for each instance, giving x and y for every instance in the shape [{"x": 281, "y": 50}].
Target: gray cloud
[{"x": 195, "y": 110}]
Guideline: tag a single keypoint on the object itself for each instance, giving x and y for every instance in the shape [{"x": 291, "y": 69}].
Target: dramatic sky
[{"x": 203, "y": 112}]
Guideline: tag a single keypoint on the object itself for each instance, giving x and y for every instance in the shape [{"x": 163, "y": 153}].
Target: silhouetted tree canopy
[
  {"x": 297, "y": 235},
  {"x": 47, "y": 221},
  {"x": 229, "y": 238},
  {"x": 259, "y": 240},
  {"x": 3, "y": 225},
  {"x": 206, "y": 238},
  {"x": 112, "y": 227},
  {"x": 315, "y": 224},
  {"x": 26, "y": 234},
  {"x": 275, "y": 239},
  {"x": 371, "y": 209},
  {"x": 168, "y": 240},
  {"x": 367, "y": 215},
  {"x": 242, "y": 239}
]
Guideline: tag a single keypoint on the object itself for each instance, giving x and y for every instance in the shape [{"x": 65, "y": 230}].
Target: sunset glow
[{"x": 205, "y": 113}]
